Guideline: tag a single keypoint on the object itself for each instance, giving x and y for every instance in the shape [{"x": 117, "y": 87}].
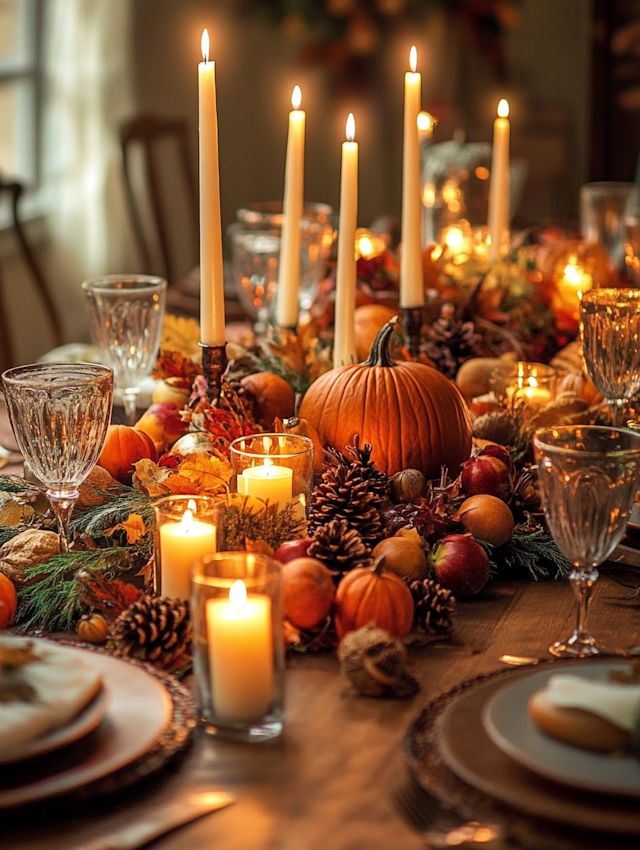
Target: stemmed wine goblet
[
  {"x": 588, "y": 480},
  {"x": 610, "y": 320},
  {"x": 60, "y": 413},
  {"x": 126, "y": 323}
]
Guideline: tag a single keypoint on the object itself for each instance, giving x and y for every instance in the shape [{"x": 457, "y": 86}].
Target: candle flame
[
  {"x": 425, "y": 122},
  {"x": 204, "y": 44},
  {"x": 238, "y": 594},
  {"x": 572, "y": 274},
  {"x": 503, "y": 109},
  {"x": 413, "y": 59},
  {"x": 533, "y": 382},
  {"x": 191, "y": 504},
  {"x": 296, "y": 97},
  {"x": 351, "y": 127},
  {"x": 187, "y": 519}
]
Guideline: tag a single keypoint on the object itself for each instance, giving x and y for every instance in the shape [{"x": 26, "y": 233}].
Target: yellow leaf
[
  {"x": 206, "y": 471},
  {"x": 133, "y": 525},
  {"x": 150, "y": 478},
  {"x": 13, "y": 512}
]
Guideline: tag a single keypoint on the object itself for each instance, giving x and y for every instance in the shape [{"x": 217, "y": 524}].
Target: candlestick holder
[
  {"x": 214, "y": 365},
  {"x": 238, "y": 645},
  {"x": 412, "y": 318}
]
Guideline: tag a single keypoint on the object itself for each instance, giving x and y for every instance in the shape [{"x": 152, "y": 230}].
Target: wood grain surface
[{"x": 327, "y": 783}]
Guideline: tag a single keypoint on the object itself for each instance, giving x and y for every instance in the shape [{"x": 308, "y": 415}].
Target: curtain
[{"x": 88, "y": 91}]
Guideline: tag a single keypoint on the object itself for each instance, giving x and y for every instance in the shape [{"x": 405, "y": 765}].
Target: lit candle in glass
[
  {"x": 241, "y": 654},
  {"x": 181, "y": 545},
  {"x": 267, "y": 482}
]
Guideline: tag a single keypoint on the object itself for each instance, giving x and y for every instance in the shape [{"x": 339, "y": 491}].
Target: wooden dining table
[{"x": 328, "y": 782}]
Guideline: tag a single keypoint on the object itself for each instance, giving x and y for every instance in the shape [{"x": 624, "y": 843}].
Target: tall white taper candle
[{"x": 344, "y": 343}]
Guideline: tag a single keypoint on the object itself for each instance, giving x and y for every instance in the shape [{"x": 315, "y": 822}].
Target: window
[{"x": 19, "y": 78}]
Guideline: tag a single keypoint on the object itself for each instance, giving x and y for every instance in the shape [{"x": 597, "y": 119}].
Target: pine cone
[
  {"x": 433, "y": 606},
  {"x": 499, "y": 427},
  {"x": 378, "y": 481},
  {"x": 343, "y": 493},
  {"x": 339, "y": 547},
  {"x": 155, "y": 629},
  {"x": 450, "y": 341}
]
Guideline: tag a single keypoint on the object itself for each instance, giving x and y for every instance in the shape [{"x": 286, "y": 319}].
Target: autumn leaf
[
  {"x": 149, "y": 478},
  {"x": 182, "y": 334},
  {"x": 13, "y": 510},
  {"x": 208, "y": 472},
  {"x": 133, "y": 525}
]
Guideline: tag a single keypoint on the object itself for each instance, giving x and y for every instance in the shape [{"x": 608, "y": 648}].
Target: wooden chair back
[{"x": 14, "y": 190}]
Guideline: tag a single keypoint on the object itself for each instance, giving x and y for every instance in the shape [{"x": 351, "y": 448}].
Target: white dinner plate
[
  {"x": 139, "y": 711},
  {"x": 507, "y": 722}
]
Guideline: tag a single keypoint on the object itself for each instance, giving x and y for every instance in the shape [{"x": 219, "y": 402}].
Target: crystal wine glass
[
  {"x": 60, "y": 413},
  {"x": 126, "y": 323},
  {"x": 588, "y": 479},
  {"x": 610, "y": 321}
]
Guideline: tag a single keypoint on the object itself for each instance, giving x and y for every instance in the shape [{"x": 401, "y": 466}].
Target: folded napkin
[
  {"x": 63, "y": 685},
  {"x": 617, "y": 703}
]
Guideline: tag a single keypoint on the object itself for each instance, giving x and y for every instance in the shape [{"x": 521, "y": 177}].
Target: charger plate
[
  {"x": 149, "y": 720},
  {"x": 451, "y": 755}
]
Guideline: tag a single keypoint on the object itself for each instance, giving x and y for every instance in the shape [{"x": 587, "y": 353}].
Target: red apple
[
  {"x": 488, "y": 475},
  {"x": 291, "y": 549},
  {"x": 460, "y": 564},
  {"x": 499, "y": 452},
  {"x": 162, "y": 423}
]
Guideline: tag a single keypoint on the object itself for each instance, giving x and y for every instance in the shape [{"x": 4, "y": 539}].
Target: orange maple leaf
[{"x": 133, "y": 525}]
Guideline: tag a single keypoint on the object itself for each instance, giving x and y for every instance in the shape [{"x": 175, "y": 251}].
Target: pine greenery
[{"x": 528, "y": 554}]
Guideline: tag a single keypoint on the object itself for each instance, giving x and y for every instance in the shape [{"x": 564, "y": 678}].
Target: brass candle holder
[
  {"x": 214, "y": 365},
  {"x": 412, "y": 318}
]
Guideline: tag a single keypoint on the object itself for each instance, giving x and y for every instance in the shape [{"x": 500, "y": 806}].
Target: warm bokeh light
[
  {"x": 503, "y": 109},
  {"x": 351, "y": 127},
  {"x": 482, "y": 173},
  {"x": 425, "y": 122},
  {"x": 296, "y": 97},
  {"x": 454, "y": 238},
  {"x": 204, "y": 44},
  {"x": 572, "y": 274},
  {"x": 413, "y": 59}
]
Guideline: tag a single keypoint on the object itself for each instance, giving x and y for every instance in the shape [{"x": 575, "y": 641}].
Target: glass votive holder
[
  {"x": 525, "y": 385},
  {"x": 187, "y": 529},
  {"x": 275, "y": 468},
  {"x": 238, "y": 645}
]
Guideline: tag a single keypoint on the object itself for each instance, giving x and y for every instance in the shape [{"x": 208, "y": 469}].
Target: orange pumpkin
[
  {"x": 272, "y": 394},
  {"x": 369, "y": 318},
  {"x": 412, "y": 415},
  {"x": 581, "y": 385},
  {"x": 307, "y": 592},
  {"x": 8, "y": 601},
  {"x": 123, "y": 447},
  {"x": 373, "y": 595}
]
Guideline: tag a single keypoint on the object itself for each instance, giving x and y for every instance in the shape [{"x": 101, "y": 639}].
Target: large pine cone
[
  {"x": 155, "y": 629},
  {"x": 339, "y": 547},
  {"x": 344, "y": 494}
]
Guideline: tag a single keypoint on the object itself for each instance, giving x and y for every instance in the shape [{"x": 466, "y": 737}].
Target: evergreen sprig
[
  {"x": 271, "y": 525},
  {"x": 529, "y": 554},
  {"x": 96, "y": 520},
  {"x": 13, "y": 484},
  {"x": 52, "y": 599}
]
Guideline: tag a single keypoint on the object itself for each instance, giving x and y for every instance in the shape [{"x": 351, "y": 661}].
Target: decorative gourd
[
  {"x": 411, "y": 414},
  {"x": 8, "y": 601},
  {"x": 93, "y": 628},
  {"x": 581, "y": 385},
  {"x": 373, "y": 595},
  {"x": 369, "y": 319},
  {"x": 272, "y": 394},
  {"x": 123, "y": 447}
]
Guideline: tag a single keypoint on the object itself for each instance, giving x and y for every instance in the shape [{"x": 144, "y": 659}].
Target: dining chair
[
  {"x": 162, "y": 199},
  {"x": 13, "y": 190}
]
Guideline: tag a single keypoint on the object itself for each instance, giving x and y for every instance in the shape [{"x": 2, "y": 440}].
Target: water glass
[
  {"x": 238, "y": 645},
  {"x": 60, "y": 413},
  {"x": 588, "y": 480},
  {"x": 604, "y": 209},
  {"x": 126, "y": 313},
  {"x": 610, "y": 322}
]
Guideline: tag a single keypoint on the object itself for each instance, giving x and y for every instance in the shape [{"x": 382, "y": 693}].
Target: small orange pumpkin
[
  {"x": 412, "y": 415},
  {"x": 93, "y": 628},
  {"x": 272, "y": 394},
  {"x": 373, "y": 595},
  {"x": 581, "y": 385},
  {"x": 123, "y": 447},
  {"x": 8, "y": 601}
]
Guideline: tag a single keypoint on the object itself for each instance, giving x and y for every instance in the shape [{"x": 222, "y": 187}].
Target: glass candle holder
[
  {"x": 238, "y": 645},
  {"x": 187, "y": 529},
  {"x": 530, "y": 385},
  {"x": 275, "y": 468}
]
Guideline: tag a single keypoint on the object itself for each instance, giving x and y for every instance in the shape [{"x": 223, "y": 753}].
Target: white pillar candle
[
  {"x": 181, "y": 545},
  {"x": 211, "y": 275},
  {"x": 499, "y": 189},
  {"x": 289, "y": 268},
  {"x": 267, "y": 482},
  {"x": 344, "y": 342},
  {"x": 411, "y": 270},
  {"x": 240, "y": 640}
]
